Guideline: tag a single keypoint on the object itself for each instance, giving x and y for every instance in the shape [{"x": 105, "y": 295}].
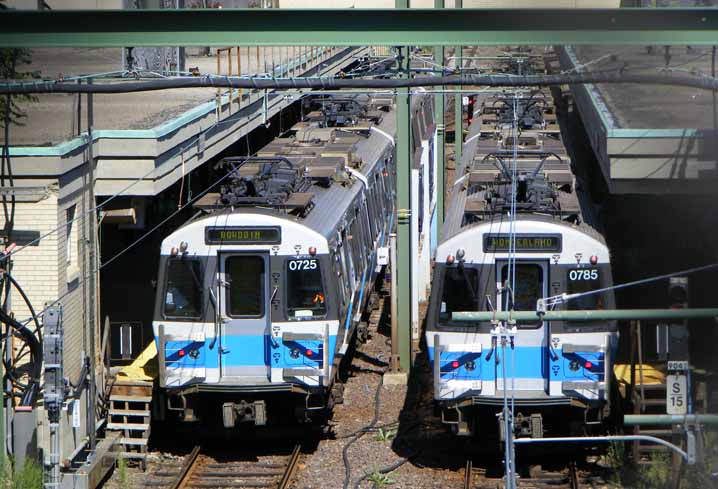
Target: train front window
[
  {"x": 459, "y": 292},
  {"x": 245, "y": 290},
  {"x": 584, "y": 280},
  {"x": 528, "y": 288},
  {"x": 305, "y": 292},
  {"x": 183, "y": 292}
]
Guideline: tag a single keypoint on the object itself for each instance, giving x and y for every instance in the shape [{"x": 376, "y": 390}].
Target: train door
[
  {"x": 529, "y": 367},
  {"x": 245, "y": 324}
]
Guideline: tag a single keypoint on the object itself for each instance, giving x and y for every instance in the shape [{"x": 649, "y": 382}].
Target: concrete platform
[
  {"x": 647, "y": 138},
  {"x": 155, "y": 137}
]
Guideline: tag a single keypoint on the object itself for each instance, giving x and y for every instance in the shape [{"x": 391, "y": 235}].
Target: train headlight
[
  {"x": 470, "y": 365},
  {"x": 450, "y": 260},
  {"x": 294, "y": 353},
  {"x": 312, "y": 250},
  {"x": 594, "y": 259},
  {"x": 588, "y": 365},
  {"x": 574, "y": 365},
  {"x": 460, "y": 253},
  {"x": 183, "y": 247}
]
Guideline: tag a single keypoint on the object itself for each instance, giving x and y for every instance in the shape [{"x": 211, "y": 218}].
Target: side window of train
[
  {"x": 347, "y": 249},
  {"x": 339, "y": 276},
  {"x": 371, "y": 219},
  {"x": 356, "y": 246},
  {"x": 305, "y": 296},
  {"x": 361, "y": 213},
  {"x": 183, "y": 289}
]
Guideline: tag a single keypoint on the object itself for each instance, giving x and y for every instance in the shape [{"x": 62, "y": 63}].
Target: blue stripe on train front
[
  {"x": 250, "y": 351},
  {"x": 528, "y": 362}
]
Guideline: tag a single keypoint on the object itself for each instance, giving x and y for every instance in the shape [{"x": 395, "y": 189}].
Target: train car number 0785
[
  {"x": 583, "y": 274},
  {"x": 298, "y": 265}
]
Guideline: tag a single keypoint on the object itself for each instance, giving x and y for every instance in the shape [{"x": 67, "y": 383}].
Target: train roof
[
  {"x": 546, "y": 187},
  {"x": 314, "y": 175}
]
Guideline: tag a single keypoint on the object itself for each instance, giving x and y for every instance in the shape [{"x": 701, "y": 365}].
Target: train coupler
[
  {"x": 524, "y": 426},
  {"x": 244, "y": 412}
]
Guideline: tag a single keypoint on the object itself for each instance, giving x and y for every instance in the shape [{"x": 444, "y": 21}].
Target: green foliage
[
  {"x": 29, "y": 477},
  {"x": 381, "y": 480},
  {"x": 385, "y": 435},
  {"x": 703, "y": 475},
  {"x": 10, "y": 61},
  {"x": 122, "y": 473}
]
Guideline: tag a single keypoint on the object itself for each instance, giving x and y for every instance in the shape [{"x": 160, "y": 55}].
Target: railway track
[
  {"x": 570, "y": 478},
  {"x": 198, "y": 471}
]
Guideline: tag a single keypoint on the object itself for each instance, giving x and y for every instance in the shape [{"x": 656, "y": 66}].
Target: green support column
[
  {"x": 403, "y": 210},
  {"x": 439, "y": 110},
  {"x": 458, "y": 112}
]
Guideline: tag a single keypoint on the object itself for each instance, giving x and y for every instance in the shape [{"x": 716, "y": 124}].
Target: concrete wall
[{"x": 66, "y": 4}]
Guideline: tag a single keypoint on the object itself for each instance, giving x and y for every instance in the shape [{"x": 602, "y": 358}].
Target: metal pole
[
  {"x": 669, "y": 419},
  {"x": 589, "y": 315},
  {"x": 458, "y": 112},
  {"x": 439, "y": 111},
  {"x": 403, "y": 211},
  {"x": 403, "y": 205},
  {"x": 605, "y": 439},
  {"x": 92, "y": 392},
  {"x": 394, "y": 299}
]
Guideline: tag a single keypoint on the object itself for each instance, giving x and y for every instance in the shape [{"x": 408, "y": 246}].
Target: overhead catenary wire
[{"x": 612, "y": 76}]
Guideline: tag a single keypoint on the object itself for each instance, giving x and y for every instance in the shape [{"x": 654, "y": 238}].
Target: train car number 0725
[{"x": 298, "y": 265}]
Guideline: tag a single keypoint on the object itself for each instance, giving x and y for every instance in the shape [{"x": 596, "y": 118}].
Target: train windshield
[
  {"x": 305, "y": 292},
  {"x": 183, "y": 293},
  {"x": 459, "y": 292},
  {"x": 245, "y": 294},
  {"x": 528, "y": 289},
  {"x": 584, "y": 280}
]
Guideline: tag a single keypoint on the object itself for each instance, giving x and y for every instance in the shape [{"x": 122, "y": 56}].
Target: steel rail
[
  {"x": 291, "y": 467},
  {"x": 468, "y": 474},
  {"x": 356, "y": 27},
  {"x": 186, "y": 471}
]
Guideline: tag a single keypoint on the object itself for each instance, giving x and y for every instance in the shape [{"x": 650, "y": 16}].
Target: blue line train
[
  {"x": 259, "y": 295},
  {"x": 558, "y": 373}
]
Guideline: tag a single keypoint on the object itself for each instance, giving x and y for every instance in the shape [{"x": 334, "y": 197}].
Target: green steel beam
[
  {"x": 403, "y": 225},
  {"x": 668, "y": 419},
  {"x": 590, "y": 315},
  {"x": 370, "y": 27},
  {"x": 440, "y": 119}
]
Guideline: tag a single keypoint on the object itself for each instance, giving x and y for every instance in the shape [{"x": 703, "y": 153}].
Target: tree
[{"x": 11, "y": 113}]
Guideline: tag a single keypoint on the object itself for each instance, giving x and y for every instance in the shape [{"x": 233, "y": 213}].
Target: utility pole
[
  {"x": 458, "y": 112},
  {"x": 439, "y": 113},
  {"x": 403, "y": 211}
]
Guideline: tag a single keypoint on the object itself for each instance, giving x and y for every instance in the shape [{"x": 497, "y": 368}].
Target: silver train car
[
  {"x": 259, "y": 295},
  {"x": 558, "y": 373}
]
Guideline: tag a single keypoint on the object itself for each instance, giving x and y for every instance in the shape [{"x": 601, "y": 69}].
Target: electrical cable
[
  {"x": 362, "y": 432},
  {"x": 613, "y": 76},
  {"x": 38, "y": 329},
  {"x": 35, "y": 352}
]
